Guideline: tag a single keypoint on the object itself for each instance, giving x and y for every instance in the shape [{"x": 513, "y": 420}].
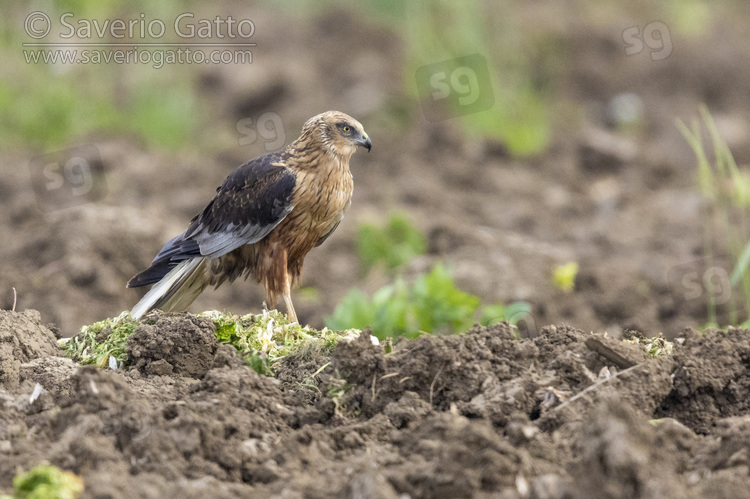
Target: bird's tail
[{"x": 176, "y": 290}]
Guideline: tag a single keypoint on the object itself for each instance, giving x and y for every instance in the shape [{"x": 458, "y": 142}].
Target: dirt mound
[
  {"x": 22, "y": 339},
  {"x": 564, "y": 414},
  {"x": 487, "y": 373},
  {"x": 176, "y": 344},
  {"x": 622, "y": 456},
  {"x": 712, "y": 380}
]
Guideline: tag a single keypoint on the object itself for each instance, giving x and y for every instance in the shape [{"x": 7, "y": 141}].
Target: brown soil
[{"x": 481, "y": 414}]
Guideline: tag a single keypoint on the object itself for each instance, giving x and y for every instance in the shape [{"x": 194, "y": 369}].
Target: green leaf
[
  {"x": 440, "y": 306},
  {"x": 564, "y": 276}
]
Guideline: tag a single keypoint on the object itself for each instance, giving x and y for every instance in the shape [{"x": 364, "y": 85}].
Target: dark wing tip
[{"x": 151, "y": 275}]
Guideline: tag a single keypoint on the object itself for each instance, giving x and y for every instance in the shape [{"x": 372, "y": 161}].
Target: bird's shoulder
[
  {"x": 260, "y": 186},
  {"x": 252, "y": 200},
  {"x": 258, "y": 172}
]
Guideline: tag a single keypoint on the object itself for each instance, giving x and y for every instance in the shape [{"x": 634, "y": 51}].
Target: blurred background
[{"x": 554, "y": 157}]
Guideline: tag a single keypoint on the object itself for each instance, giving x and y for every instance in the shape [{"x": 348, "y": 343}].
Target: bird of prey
[{"x": 266, "y": 216}]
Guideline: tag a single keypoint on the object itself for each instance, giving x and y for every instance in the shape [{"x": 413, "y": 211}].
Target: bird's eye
[{"x": 347, "y": 128}]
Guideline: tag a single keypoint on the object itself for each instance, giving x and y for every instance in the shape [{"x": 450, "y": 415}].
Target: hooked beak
[{"x": 365, "y": 142}]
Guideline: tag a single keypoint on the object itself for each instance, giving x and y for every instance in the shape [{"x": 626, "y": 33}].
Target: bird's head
[{"x": 337, "y": 132}]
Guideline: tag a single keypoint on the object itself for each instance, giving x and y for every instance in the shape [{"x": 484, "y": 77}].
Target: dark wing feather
[
  {"x": 253, "y": 200},
  {"x": 175, "y": 251}
]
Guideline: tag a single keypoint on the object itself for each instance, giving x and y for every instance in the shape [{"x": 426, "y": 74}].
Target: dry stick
[
  {"x": 15, "y": 296},
  {"x": 434, "y": 380}
]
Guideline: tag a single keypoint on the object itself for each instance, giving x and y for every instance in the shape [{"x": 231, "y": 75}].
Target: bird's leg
[{"x": 290, "y": 313}]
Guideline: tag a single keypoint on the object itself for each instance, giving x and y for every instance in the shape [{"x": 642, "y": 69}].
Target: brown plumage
[{"x": 265, "y": 218}]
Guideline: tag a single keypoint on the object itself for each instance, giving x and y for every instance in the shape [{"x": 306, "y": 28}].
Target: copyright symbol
[{"x": 37, "y": 25}]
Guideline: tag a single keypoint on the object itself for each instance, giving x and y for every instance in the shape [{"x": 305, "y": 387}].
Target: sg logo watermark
[
  {"x": 68, "y": 178},
  {"x": 269, "y": 126},
  {"x": 702, "y": 280},
  {"x": 655, "y": 36},
  {"x": 455, "y": 87}
]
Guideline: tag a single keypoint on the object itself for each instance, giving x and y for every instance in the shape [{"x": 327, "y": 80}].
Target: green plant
[
  {"x": 564, "y": 276},
  {"x": 47, "y": 482},
  {"x": 727, "y": 191},
  {"x": 430, "y": 304},
  {"x": 91, "y": 346},
  {"x": 393, "y": 245},
  {"x": 512, "y": 313},
  {"x": 264, "y": 339}
]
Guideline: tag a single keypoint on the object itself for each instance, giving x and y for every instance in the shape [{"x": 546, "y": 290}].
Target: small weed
[
  {"x": 87, "y": 349},
  {"x": 431, "y": 304},
  {"x": 46, "y": 482},
  {"x": 727, "y": 190},
  {"x": 513, "y": 313},
  {"x": 564, "y": 276},
  {"x": 388, "y": 345}
]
